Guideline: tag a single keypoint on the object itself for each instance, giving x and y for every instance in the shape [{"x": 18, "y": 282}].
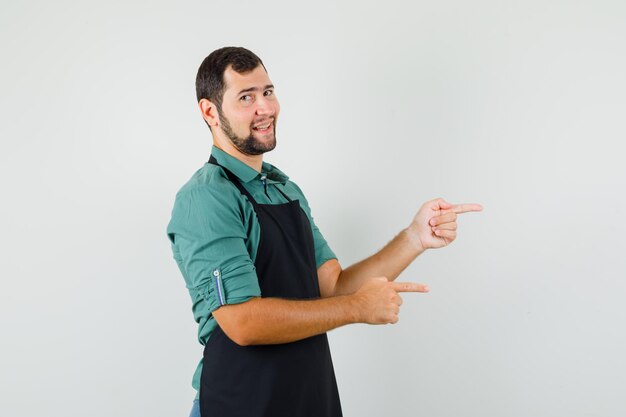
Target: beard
[{"x": 248, "y": 145}]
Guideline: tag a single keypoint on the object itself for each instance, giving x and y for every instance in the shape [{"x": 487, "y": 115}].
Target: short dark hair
[{"x": 210, "y": 78}]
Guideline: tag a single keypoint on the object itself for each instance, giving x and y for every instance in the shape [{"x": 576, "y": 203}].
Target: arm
[
  {"x": 434, "y": 226},
  {"x": 274, "y": 320}
]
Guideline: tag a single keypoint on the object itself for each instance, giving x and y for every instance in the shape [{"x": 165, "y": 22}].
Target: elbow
[
  {"x": 239, "y": 336},
  {"x": 329, "y": 277},
  {"x": 235, "y": 325},
  {"x": 334, "y": 288}
]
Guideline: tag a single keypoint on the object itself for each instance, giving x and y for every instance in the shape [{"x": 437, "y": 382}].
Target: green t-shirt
[{"x": 214, "y": 228}]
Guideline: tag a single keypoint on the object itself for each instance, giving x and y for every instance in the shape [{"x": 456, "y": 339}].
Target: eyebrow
[{"x": 247, "y": 90}]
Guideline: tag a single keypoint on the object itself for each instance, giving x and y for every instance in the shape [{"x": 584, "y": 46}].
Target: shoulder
[
  {"x": 209, "y": 186},
  {"x": 210, "y": 179},
  {"x": 208, "y": 176},
  {"x": 206, "y": 203}
]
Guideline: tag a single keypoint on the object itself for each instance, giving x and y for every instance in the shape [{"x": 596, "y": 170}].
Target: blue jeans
[{"x": 195, "y": 409}]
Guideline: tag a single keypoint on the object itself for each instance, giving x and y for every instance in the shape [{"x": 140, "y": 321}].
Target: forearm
[
  {"x": 389, "y": 262},
  {"x": 274, "y": 320}
]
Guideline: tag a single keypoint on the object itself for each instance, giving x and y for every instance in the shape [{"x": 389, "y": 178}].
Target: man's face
[{"x": 249, "y": 111}]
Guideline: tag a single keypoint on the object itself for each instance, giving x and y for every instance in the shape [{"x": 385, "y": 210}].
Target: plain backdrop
[{"x": 519, "y": 106}]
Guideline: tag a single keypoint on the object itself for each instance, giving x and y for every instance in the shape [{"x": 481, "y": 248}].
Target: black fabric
[{"x": 292, "y": 379}]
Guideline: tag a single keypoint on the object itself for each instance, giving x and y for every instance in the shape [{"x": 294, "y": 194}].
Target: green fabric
[{"x": 214, "y": 228}]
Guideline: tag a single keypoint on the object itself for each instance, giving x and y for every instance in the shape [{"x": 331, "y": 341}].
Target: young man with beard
[{"x": 265, "y": 285}]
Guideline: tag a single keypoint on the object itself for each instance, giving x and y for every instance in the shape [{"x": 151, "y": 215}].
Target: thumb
[{"x": 443, "y": 204}]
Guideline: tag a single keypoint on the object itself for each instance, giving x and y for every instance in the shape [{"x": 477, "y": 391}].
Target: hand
[
  {"x": 378, "y": 300},
  {"x": 434, "y": 225}
]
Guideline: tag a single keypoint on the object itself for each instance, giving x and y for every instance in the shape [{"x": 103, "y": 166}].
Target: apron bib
[{"x": 293, "y": 379}]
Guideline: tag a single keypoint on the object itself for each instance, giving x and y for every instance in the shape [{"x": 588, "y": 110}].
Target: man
[{"x": 265, "y": 285}]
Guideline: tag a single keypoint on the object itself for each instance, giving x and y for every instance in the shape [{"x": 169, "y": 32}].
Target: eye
[
  {"x": 268, "y": 93},
  {"x": 245, "y": 98}
]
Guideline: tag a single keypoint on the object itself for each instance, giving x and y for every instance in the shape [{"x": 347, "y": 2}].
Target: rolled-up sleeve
[{"x": 208, "y": 239}]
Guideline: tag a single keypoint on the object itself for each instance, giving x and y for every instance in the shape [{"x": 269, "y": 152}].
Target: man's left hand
[{"x": 434, "y": 225}]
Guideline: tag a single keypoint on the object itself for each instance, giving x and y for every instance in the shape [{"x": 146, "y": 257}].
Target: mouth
[{"x": 264, "y": 128}]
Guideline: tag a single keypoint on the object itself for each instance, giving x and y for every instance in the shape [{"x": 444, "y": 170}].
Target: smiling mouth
[{"x": 264, "y": 128}]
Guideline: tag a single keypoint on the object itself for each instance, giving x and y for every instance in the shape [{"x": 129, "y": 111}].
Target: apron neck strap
[{"x": 233, "y": 178}]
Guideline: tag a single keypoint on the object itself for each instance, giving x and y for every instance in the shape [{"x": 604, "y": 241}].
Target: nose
[{"x": 265, "y": 107}]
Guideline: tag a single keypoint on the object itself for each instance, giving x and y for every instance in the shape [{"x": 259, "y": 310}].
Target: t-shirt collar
[{"x": 246, "y": 173}]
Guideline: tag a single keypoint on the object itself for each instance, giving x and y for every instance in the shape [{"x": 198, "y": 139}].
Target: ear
[{"x": 209, "y": 112}]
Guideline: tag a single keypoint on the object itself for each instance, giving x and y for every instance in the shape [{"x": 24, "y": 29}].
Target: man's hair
[{"x": 210, "y": 78}]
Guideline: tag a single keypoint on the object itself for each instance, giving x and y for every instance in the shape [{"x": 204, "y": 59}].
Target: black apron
[{"x": 293, "y": 379}]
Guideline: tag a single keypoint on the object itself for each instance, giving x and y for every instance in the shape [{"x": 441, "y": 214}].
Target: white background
[{"x": 519, "y": 106}]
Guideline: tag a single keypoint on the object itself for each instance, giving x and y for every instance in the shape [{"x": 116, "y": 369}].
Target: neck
[{"x": 253, "y": 161}]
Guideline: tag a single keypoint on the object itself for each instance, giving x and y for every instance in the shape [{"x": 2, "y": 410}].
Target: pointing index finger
[
  {"x": 409, "y": 287},
  {"x": 465, "y": 208}
]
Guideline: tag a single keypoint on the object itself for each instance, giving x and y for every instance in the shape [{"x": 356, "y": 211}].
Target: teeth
[{"x": 263, "y": 127}]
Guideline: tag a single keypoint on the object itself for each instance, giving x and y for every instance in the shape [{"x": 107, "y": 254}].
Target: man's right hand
[{"x": 378, "y": 301}]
